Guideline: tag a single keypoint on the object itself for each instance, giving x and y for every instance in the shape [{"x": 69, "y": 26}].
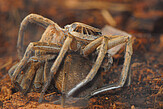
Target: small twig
[
  {"x": 108, "y": 17},
  {"x": 6, "y": 64},
  {"x": 50, "y": 94},
  {"x": 85, "y": 5}
]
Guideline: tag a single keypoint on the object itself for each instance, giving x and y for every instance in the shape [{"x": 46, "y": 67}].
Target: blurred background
[
  {"x": 141, "y": 18},
  {"x": 133, "y": 16}
]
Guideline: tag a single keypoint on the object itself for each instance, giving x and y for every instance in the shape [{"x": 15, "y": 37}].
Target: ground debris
[{"x": 144, "y": 23}]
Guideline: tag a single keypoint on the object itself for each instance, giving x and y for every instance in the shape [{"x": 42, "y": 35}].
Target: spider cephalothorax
[{"x": 56, "y": 41}]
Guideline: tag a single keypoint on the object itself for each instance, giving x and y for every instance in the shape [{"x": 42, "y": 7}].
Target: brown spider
[{"x": 77, "y": 37}]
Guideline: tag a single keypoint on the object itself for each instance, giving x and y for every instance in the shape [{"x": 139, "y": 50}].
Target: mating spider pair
[{"x": 54, "y": 44}]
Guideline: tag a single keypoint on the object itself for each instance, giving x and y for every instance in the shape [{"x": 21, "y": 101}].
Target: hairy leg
[
  {"x": 32, "y": 18},
  {"x": 125, "y": 74},
  {"x": 27, "y": 80},
  {"x": 56, "y": 65},
  {"x": 95, "y": 68},
  {"x": 41, "y": 48}
]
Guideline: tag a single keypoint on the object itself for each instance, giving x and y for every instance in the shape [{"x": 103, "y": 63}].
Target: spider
[{"x": 77, "y": 37}]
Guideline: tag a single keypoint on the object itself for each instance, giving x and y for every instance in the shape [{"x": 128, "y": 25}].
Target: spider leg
[
  {"x": 95, "y": 68},
  {"x": 95, "y": 45},
  {"x": 43, "y": 76},
  {"x": 32, "y": 18},
  {"x": 45, "y": 71},
  {"x": 91, "y": 46},
  {"x": 56, "y": 65},
  {"x": 24, "y": 79},
  {"x": 37, "y": 72},
  {"x": 32, "y": 47},
  {"x": 125, "y": 74},
  {"x": 34, "y": 72},
  {"x": 63, "y": 90},
  {"x": 23, "y": 62},
  {"x": 12, "y": 69},
  {"x": 27, "y": 80},
  {"x": 128, "y": 80},
  {"x": 38, "y": 81}
]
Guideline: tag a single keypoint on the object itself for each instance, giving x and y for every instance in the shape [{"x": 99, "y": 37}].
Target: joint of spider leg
[
  {"x": 106, "y": 37},
  {"x": 122, "y": 82},
  {"x": 70, "y": 35},
  {"x": 129, "y": 44}
]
